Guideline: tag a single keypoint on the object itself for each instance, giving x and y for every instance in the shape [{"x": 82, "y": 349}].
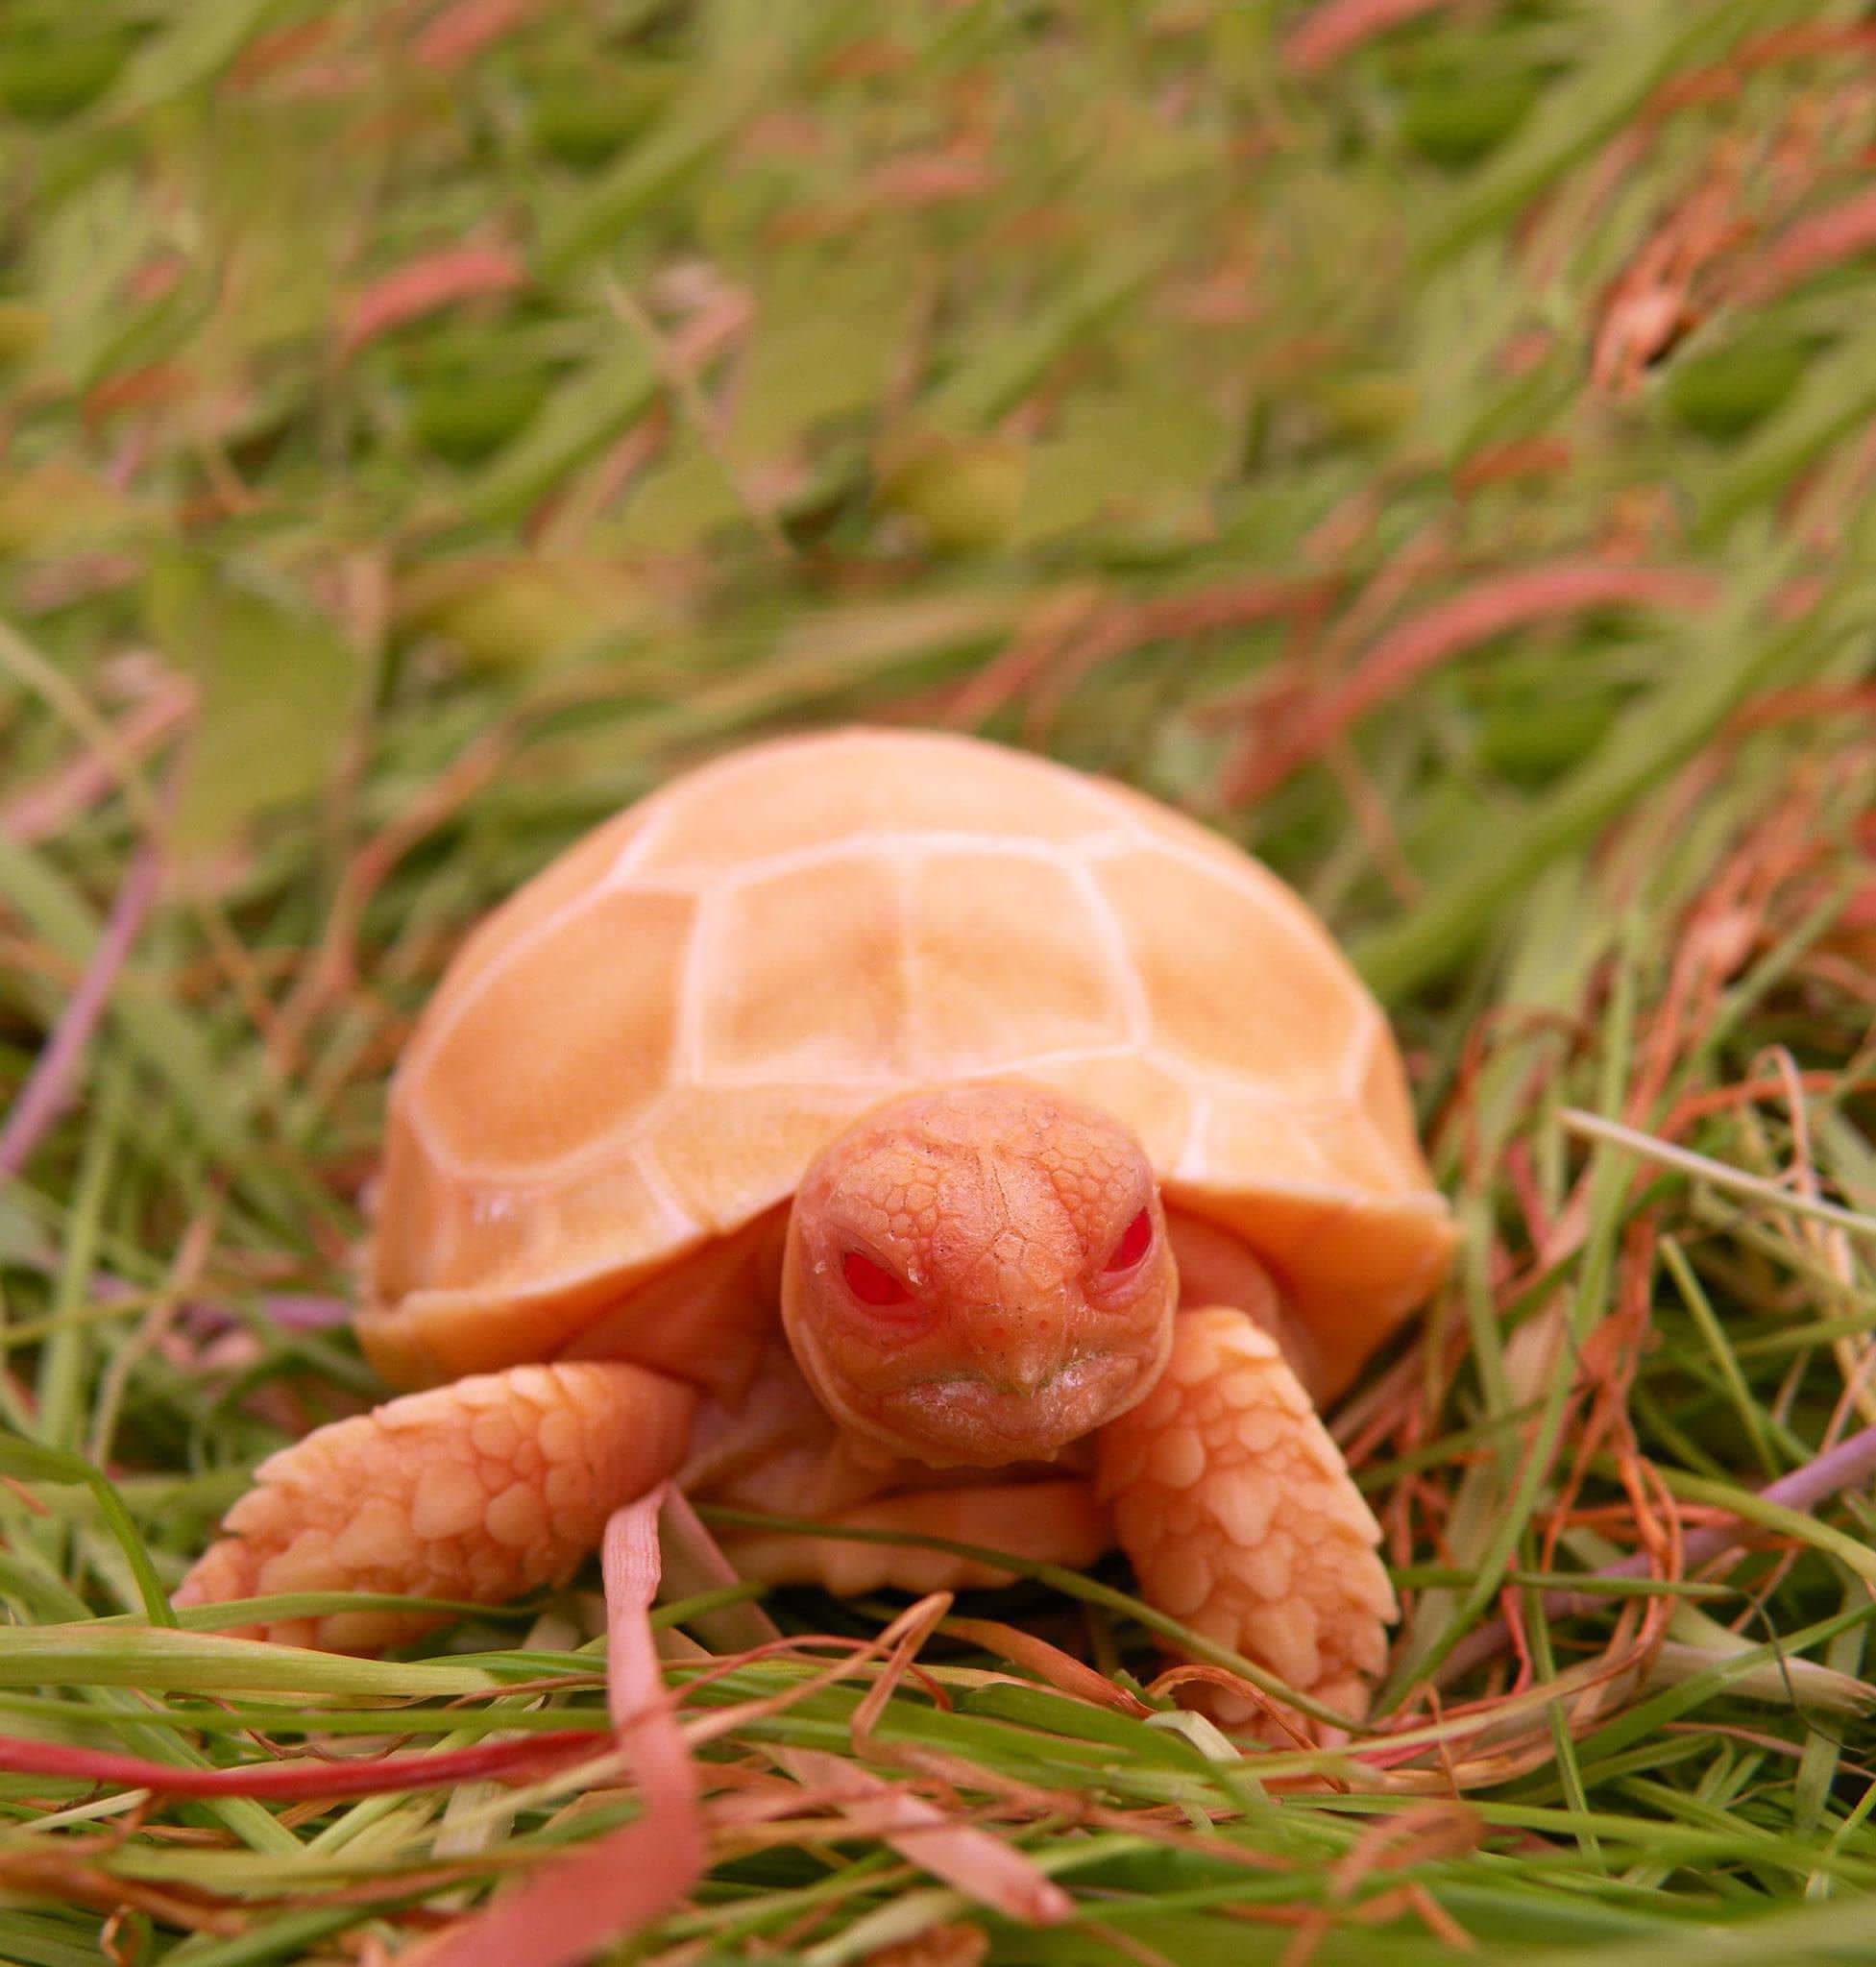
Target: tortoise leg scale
[
  {"x": 1241, "y": 1519},
  {"x": 484, "y": 1489}
]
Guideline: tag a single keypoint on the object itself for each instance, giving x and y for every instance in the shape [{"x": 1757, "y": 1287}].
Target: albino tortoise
[{"x": 896, "y": 1131}]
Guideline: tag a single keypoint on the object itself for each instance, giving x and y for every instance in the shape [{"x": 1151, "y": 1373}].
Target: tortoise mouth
[{"x": 973, "y": 1420}]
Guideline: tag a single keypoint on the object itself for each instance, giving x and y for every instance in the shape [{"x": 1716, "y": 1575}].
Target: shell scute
[
  {"x": 1007, "y": 957},
  {"x": 803, "y": 977},
  {"x": 728, "y": 1152},
  {"x": 1230, "y": 985},
  {"x": 801, "y": 795},
  {"x": 563, "y": 884},
  {"x": 569, "y": 1043},
  {"x": 645, "y": 1047}
]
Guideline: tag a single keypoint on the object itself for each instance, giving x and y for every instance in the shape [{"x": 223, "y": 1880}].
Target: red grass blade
[
  {"x": 1339, "y": 26},
  {"x": 1461, "y": 621},
  {"x": 1061, "y": 1670},
  {"x": 302, "y": 1780},
  {"x": 458, "y": 35},
  {"x": 44, "y": 809},
  {"x": 423, "y": 286},
  {"x": 1822, "y": 241},
  {"x": 978, "y": 1864},
  {"x": 619, "y": 1882},
  {"x": 42, "y": 1098}
]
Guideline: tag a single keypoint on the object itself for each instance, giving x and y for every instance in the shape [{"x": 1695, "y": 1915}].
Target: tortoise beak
[
  {"x": 976, "y": 1420},
  {"x": 1021, "y": 1361}
]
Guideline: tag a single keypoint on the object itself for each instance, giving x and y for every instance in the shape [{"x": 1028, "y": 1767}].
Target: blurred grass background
[{"x": 1431, "y": 441}]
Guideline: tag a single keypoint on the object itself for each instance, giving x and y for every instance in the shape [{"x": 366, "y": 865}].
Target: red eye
[
  {"x": 870, "y": 1282},
  {"x": 1133, "y": 1244}
]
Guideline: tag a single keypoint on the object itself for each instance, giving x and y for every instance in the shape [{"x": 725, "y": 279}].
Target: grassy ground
[{"x": 1431, "y": 441}]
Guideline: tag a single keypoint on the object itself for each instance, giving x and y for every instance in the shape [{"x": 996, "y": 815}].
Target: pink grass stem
[
  {"x": 306, "y": 1311},
  {"x": 303, "y": 1780},
  {"x": 1822, "y": 241},
  {"x": 423, "y": 286},
  {"x": 976, "y": 1863},
  {"x": 1462, "y": 621},
  {"x": 48, "y": 1085},
  {"x": 1337, "y": 27},
  {"x": 458, "y": 35},
  {"x": 42, "y": 810},
  {"x": 693, "y": 1563},
  {"x": 1848, "y": 1465},
  {"x": 577, "y": 1904}
]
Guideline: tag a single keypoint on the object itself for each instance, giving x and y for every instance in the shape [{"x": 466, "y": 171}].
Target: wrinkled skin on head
[{"x": 979, "y": 1274}]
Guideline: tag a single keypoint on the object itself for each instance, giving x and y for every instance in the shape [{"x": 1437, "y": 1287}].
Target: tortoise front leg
[
  {"x": 1240, "y": 1516},
  {"x": 483, "y": 1490}
]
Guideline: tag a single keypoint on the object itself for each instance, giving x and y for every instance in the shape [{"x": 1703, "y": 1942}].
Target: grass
[{"x": 1432, "y": 445}]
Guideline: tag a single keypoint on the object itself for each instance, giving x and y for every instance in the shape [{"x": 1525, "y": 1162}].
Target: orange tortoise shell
[{"x": 643, "y": 1049}]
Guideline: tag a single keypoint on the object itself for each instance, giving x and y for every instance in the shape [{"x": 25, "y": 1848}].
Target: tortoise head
[{"x": 979, "y": 1274}]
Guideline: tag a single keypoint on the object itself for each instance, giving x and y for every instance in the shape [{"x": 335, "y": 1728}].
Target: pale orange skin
[{"x": 976, "y": 1305}]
